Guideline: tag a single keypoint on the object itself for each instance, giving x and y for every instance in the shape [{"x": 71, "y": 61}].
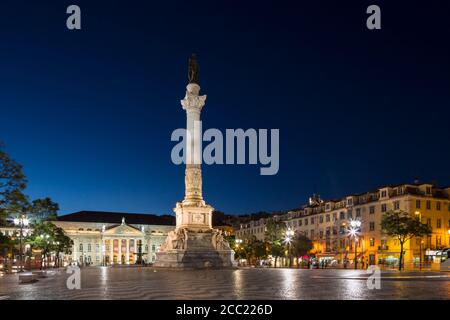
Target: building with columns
[{"x": 107, "y": 238}]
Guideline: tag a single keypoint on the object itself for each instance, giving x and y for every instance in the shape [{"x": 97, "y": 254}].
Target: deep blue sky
[{"x": 89, "y": 113}]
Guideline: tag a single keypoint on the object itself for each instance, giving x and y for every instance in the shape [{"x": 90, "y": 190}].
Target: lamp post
[
  {"x": 288, "y": 240},
  {"x": 22, "y": 222},
  {"x": 355, "y": 226},
  {"x": 238, "y": 242},
  {"x": 420, "y": 254},
  {"x": 419, "y": 216}
]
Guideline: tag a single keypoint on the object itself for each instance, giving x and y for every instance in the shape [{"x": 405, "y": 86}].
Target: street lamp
[
  {"x": 420, "y": 253},
  {"x": 22, "y": 222},
  {"x": 288, "y": 240},
  {"x": 238, "y": 242},
  {"x": 419, "y": 217},
  {"x": 353, "y": 231}
]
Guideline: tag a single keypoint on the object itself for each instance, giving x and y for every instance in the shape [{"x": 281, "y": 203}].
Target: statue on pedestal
[{"x": 193, "y": 72}]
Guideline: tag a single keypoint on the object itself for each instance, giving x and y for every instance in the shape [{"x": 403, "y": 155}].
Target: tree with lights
[
  {"x": 402, "y": 226},
  {"x": 301, "y": 246},
  {"x": 275, "y": 233}
]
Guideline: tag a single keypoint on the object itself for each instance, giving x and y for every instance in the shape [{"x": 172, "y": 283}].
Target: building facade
[
  {"x": 326, "y": 224},
  {"x": 104, "y": 238}
]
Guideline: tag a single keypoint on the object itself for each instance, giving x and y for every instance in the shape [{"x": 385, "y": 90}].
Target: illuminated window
[{"x": 372, "y": 242}]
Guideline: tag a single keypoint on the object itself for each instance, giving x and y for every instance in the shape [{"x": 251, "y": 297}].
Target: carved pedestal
[{"x": 194, "y": 249}]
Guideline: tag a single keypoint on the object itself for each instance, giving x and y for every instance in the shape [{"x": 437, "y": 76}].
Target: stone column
[
  {"x": 119, "y": 259},
  {"x": 127, "y": 254},
  {"x": 75, "y": 250},
  {"x": 193, "y": 213},
  {"x": 193, "y": 104},
  {"x": 111, "y": 251}
]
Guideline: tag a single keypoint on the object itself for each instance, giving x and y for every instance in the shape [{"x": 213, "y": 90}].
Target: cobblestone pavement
[{"x": 146, "y": 283}]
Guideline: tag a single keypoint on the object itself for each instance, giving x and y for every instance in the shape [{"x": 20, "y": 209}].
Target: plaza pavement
[{"x": 247, "y": 283}]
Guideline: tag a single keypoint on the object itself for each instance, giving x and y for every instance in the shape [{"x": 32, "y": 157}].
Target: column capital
[{"x": 192, "y": 102}]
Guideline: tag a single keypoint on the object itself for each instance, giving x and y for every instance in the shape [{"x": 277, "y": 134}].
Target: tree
[
  {"x": 44, "y": 210},
  {"x": 259, "y": 249},
  {"x": 275, "y": 231},
  {"x": 42, "y": 239},
  {"x": 301, "y": 246},
  {"x": 62, "y": 244},
  {"x": 12, "y": 182},
  {"x": 403, "y": 227},
  {"x": 49, "y": 238}
]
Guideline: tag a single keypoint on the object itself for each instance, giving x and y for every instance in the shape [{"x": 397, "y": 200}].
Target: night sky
[{"x": 89, "y": 113}]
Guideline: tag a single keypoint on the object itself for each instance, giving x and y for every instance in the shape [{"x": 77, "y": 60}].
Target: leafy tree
[
  {"x": 49, "y": 238},
  {"x": 44, "y": 210},
  {"x": 403, "y": 227},
  {"x": 6, "y": 245},
  {"x": 42, "y": 238},
  {"x": 4, "y": 240},
  {"x": 231, "y": 241},
  {"x": 275, "y": 231},
  {"x": 301, "y": 246},
  {"x": 62, "y": 244},
  {"x": 12, "y": 182},
  {"x": 276, "y": 250},
  {"x": 259, "y": 249}
]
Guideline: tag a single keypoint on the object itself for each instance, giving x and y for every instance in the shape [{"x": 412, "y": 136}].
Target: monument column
[
  {"x": 193, "y": 213},
  {"x": 194, "y": 243}
]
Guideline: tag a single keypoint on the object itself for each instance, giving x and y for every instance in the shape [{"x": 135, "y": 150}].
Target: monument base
[{"x": 188, "y": 249}]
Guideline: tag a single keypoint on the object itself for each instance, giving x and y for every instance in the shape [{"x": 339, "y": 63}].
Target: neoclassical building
[{"x": 108, "y": 238}]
